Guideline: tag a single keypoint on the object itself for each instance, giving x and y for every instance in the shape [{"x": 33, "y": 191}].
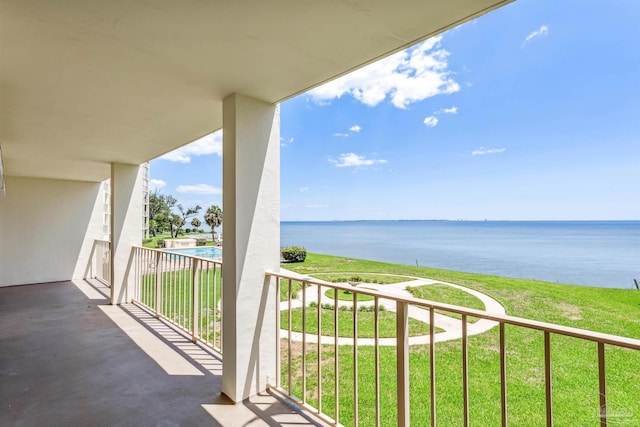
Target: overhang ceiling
[{"x": 86, "y": 83}]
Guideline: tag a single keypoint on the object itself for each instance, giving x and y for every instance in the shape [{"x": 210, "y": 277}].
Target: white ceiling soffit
[{"x": 86, "y": 83}]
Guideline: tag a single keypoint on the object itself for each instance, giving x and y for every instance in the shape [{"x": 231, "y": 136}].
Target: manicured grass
[
  {"x": 575, "y": 373},
  {"x": 448, "y": 295},
  {"x": 361, "y": 277},
  {"x": 152, "y": 242},
  {"x": 347, "y": 295},
  {"x": 296, "y": 286},
  {"x": 386, "y": 319}
]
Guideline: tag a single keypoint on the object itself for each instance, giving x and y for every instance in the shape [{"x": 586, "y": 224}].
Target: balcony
[
  {"x": 160, "y": 357},
  {"x": 94, "y": 90}
]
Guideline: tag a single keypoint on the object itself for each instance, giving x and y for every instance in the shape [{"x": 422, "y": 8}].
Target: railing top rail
[
  {"x": 506, "y": 319},
  {"x": 199, "y": 258}
]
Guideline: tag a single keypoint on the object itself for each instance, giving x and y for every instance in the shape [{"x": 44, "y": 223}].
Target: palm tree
[
  {"x": 195, "y": 222},
  {"x": 213, "y": 218}
]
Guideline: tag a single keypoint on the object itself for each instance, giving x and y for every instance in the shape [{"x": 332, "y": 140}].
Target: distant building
[{"x": 106, "y": 210}]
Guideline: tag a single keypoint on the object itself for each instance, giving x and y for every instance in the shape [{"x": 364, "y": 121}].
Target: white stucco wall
[
  {"x": 126, "y": 230},
  {"x": 251, "y": 204},
  {"x": 47, "y": 229}
]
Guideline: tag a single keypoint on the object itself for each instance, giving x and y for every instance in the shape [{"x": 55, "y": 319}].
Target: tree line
[{"x": 165, "y": 214}]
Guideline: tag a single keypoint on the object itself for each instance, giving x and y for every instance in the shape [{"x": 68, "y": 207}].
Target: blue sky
[{"x": 531, "y": 112}]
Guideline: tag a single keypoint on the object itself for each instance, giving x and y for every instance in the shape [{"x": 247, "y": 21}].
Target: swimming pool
[{"x": 205, "y": 252}]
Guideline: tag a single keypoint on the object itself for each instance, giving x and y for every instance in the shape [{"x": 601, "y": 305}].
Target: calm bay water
[{"x": 590, "y": 253}]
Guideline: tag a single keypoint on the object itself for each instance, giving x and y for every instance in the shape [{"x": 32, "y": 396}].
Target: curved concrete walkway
[{"x": 452, "y": 326}]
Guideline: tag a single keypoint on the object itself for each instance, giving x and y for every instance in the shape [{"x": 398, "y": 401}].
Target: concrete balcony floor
[{"x": 67, "y": 358}]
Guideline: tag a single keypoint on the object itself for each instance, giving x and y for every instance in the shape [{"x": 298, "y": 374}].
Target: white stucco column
[
  {"x": 126, "y": 226},
  {"x": 251, "y": 206}
]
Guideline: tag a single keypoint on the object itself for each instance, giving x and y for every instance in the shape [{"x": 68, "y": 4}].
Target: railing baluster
[
  {"x": 355, "y": 359},
  {"x": 289, "y": 337},
  {"x": 465, "y": 373},
  {"x": 602, "y": 382},
  {"x": 221, "y": 310},
  {"x": 144, "y": 277},
  {"x": 432, "y": 364},
  {"x": 548, "y": 379},
  {"x": 209, "y": 304},
  {"x": 503, "y": 376},
  {"x": 215, "y": 306},
  {"x": 319, "y": 335},
  {"x": 376, "y": 355},
  {"x": 183, "y": 290},
  {"x": 304, "y": 343},
  {"x": 158, "y": 281},
  {"x": 195, "y": 300},
  {"x": 336, "y": 385},
  {"x": 168, "y": 286},
  {"x": 402, "y": 356},
  {"x": 277, "y": 353},
  {"x": 135, "y": 270}
]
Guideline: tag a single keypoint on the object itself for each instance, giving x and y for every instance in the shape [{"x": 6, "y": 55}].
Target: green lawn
[
  {"x": 575, "y": 379},
  {"x": 361, "y": 277},
  {"x": 386, "y": 319},
  {"x": 448, "y": 295},
  {"x": 344, "y": 295}
]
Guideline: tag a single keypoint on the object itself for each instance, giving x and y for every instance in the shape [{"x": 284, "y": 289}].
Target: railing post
[
  {"x": 277, "y": 349},
  {"x": 602, "y": 381},
  {"x": 107, "y": 269},
  {"x": 548, "y": 378},
  {"x": 195, "y": 300},
  {"x": 402, "y": 349},
  {"x": 158, "y": 305}
]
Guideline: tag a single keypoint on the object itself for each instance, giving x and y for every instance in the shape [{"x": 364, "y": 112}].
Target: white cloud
[
  {"x": 156, "y": 184},
  {"x": 452, "y": 110},
  {"x": 352, "y": 129},
  {"x": 199, "y": 189},
  {"x": 431, "y": 121},
  {"x": 542, "y": 31},
  {"x": 303, "y": 189},
  {"x": 284, "y": 144},
  {"x": 316, "y": 206},
  {"x": 210, "y": 144},
  {"x": 405, "y": 77},
  {"x": 482, "y": 151},
  {"x": 353, "y": 159}
]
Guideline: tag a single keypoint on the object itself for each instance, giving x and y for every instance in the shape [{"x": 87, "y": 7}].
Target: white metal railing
[
  {"x": 101, "y": 261},
  {"x": 185, "y": 290},
  {"x": 313, "y": 346}
]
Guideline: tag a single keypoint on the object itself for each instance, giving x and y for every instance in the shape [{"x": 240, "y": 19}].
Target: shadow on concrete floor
[{"x": 67, "y": 357}]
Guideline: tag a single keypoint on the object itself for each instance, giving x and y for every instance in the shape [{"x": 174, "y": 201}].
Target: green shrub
[
  {"x": 161, "y": 243},
  {"x": 294, "y": 254},
  {"x": 201, "y": 242},
  {"x": 145, "y": 241}
]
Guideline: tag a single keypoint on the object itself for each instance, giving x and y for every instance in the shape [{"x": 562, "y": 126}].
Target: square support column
[
  {"x": 126, "y": 226},
  {"x": 251, "y": 206}
]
